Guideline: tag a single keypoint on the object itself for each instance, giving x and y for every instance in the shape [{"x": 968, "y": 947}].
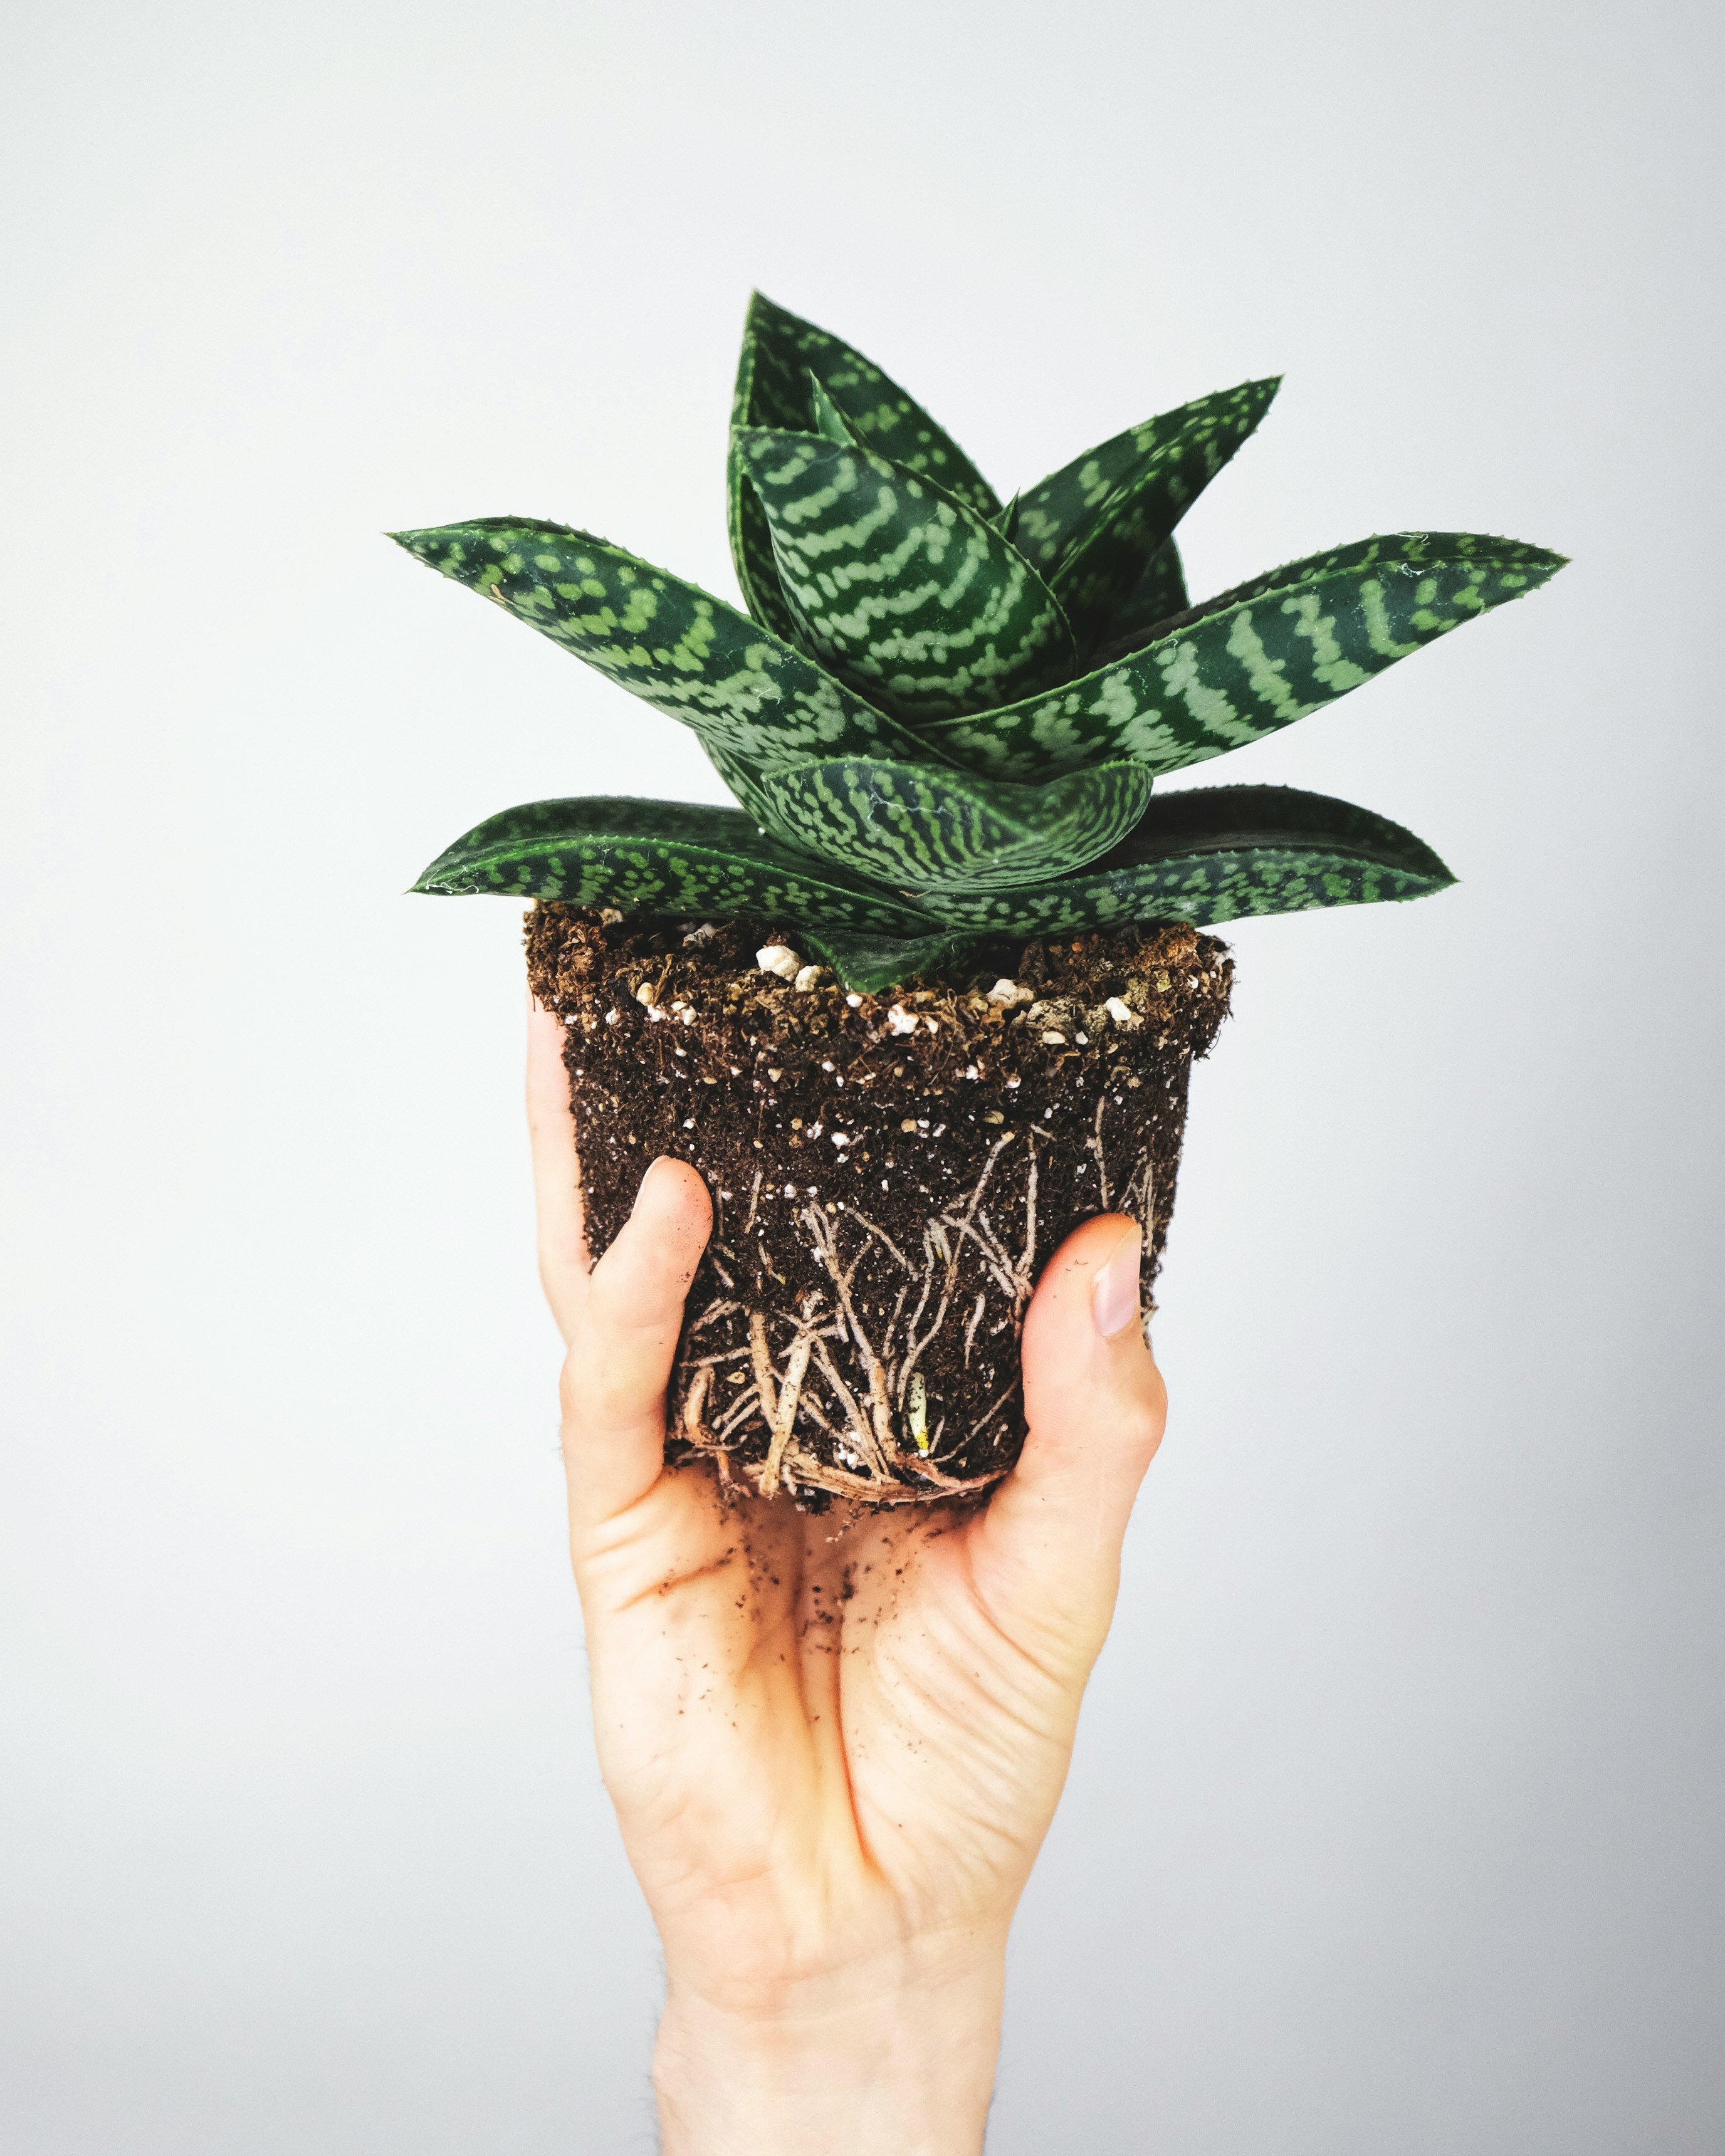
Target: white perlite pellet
[{"x": 779, "y": 959}]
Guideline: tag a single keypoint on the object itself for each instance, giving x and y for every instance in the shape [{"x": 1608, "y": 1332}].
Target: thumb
[
  {"x": 1048, "y": 1548},
  {"x": 624, "y": 1338}
]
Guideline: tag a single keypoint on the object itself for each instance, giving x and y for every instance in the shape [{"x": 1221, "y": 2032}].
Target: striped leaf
[
  {"x": 786, "y": 349},
  {"x": 746, "y": 694},
  {"x": 671, "y": 858},
  {"x": 1254, "y": 659},
  {"x": 898, "y": 586},
  {"x": 926, "y": 830},
  {"x": 779, "y": 353},
  {"x": 870, "y": 963},
  {"x": 1176, "y": 454},
  {"x": 1216, "y": 854},
  {"x": 1163, "y": 465}
]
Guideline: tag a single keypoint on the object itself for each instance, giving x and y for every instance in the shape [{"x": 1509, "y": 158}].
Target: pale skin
[{"x": 834, "y": 1745}]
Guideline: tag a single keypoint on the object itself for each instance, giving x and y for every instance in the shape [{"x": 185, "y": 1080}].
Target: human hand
[{"x": 835, "y": 1744}]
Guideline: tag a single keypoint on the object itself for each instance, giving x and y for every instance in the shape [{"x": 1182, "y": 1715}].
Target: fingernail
[
  {"x": 652, "y": 1169},
  {"x": 1114, "y": 1298}
]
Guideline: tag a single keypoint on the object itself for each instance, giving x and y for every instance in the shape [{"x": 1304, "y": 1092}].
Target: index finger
[{"x": 563, "y": 1260}]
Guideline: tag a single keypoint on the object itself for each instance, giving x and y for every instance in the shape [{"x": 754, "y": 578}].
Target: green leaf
[
  {"x": 769, "y": 392},
  {"x": 1090, "y": 527},
  {"x": 870, "y": 963},
  {"x": 927, "y": 830},
  {"x": 888, "y": 419},
  {"x": 746, "y": 693},
  {"x": 779, "y": 352},
  {"x": 1158, "y": 595},
  {"x": 1106, "y": 553},
  {"x": 830, "y": 422},
  {"x": 662, "y": 857},
  {"x": 1255, "y": 659},
  {"x": 897, "y": 586},
  {"x": 1214, "y": 854}
]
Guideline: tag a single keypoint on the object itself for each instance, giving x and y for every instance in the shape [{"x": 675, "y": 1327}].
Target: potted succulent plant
[{"x": 932, "y": 993}]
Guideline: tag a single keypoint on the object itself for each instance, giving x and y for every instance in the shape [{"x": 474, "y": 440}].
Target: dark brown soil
[{"x": 888, "y": 1172}]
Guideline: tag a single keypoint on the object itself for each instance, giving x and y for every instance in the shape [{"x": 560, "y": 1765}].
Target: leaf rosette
[{"x": 943, "y": 714}]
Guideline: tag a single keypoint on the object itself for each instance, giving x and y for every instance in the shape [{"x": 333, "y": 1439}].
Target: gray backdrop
[{"x": 1394, "y": 1823}]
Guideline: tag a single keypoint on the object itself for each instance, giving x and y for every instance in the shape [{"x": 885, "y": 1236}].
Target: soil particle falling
[{"x": 888, "y": 1172}]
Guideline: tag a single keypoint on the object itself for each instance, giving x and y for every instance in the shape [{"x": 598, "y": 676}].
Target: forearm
[{"x": 901, "y": 2066}]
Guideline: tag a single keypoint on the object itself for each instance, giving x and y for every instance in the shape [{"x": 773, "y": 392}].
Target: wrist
[{"x": 894, "y": 2054}]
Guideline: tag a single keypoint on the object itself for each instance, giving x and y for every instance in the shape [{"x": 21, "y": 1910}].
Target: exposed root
[
  {"x": 1094, "y": 1143},
  {"x": 834, "y": 1387},
  {"x": 778, "y": 1403}
]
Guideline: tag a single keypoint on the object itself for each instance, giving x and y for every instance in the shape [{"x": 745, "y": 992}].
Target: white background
[{"x": 1394, "y": 1820}]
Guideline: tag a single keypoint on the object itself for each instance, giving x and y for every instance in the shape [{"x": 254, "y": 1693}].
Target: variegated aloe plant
[{"x": 943, "y": 714}]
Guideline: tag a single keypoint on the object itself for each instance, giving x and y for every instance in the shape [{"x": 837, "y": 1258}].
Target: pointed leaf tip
[
  {"x": 780, "y": 351},
  {"x": 1254, "y": 659},
  {"x": 1215, "y": 853},
  {"x": 684, "y": 651},
  {"x": 1093, "y": 527},
  {"x": 830, "y": 421},
  {"x": 421, "y": 544},
  {"x": 664, "y": 858}
]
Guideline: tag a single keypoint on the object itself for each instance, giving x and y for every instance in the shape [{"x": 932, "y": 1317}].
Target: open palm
[{"x": 835, "y": 1744}]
